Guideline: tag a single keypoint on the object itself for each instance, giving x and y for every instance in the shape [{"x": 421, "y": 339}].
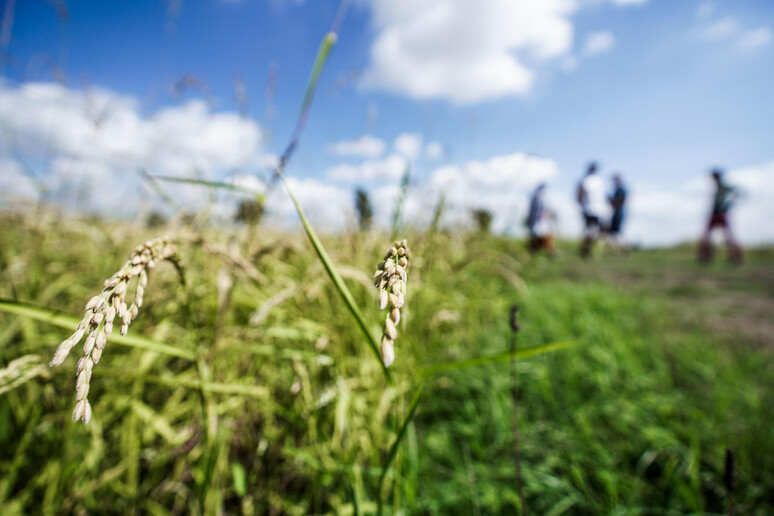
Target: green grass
[{"x": 294, "y": 416}]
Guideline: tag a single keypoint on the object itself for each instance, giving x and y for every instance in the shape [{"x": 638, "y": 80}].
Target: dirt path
[{"x": 735, "y": 302}]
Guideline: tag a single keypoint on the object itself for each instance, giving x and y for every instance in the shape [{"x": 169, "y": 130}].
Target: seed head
[
  {"x": 390, "y": 279},
  {"x": 104, "y": 308}
]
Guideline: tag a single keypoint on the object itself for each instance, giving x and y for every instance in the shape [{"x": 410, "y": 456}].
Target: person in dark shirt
[
  {"x": 617, "y": 201},
  {"x": 539, "y": 223},
  {"x": 724, "y": 197}
]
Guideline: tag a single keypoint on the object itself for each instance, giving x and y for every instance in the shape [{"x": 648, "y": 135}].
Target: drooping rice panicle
[
  {"x": 107, "y": 308},
  {"x": 391, "y": 278}
]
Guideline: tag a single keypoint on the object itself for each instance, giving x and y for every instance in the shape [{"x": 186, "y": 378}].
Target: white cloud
[
  {"x": 500, "y": 184},
  {"x": 465, "y": 51},
  {"x": 365, "y": 147},
  {"x": 661, "y": 216},
  {"x": 95, "y": 143},
  {"x": 730, "y": 28},
  {"x": 722, "y": 28},
  {"x": 328, "y": 206},
  {"x": 599, "y": 43},
  {"x": 14, "y": 180},
  {"x": 570, "y": 64},
  {"x": 434, "y": 151},
  {"x": 755, "y": 39},
  {"x": 706, "y": 10},
  {"x": 656, "y": 215},
  {"x": 408, "y": 145},
  {"x": 390, "y": 168},
  {"x": 756, "y": 206},
  {"x": 629, "y": 2}
]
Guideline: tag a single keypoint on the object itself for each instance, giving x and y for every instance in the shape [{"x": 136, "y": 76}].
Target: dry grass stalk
[
  {"x": 19, "y": 371},
  {"x": 103, "y": 310},
  {"x": 390, "y": 279}
]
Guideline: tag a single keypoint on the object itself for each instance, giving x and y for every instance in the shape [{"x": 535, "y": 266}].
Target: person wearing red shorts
[{"x": 725, "y": 196}]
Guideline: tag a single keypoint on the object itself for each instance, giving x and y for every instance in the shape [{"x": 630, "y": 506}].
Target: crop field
[{"x": 245, "y": 386}]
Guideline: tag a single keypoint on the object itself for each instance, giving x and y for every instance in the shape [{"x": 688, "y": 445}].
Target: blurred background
[
  {"x": 481, "y": 101},
  {"x": 464, "y": 126}
]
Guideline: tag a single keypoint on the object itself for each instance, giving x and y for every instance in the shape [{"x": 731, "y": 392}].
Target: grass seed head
[
  {"x": 101, "y": 311},
  {"x": 391, "y": 278}
]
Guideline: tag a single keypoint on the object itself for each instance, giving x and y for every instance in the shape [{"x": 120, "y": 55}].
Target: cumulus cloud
[
  {"x": 390, "y": 168},
  {"x": 364, "y": 147},
  {"x": 598, "y": 43},
  {"x": 465, "y": 52},
  {"x": 756, "y": 206},
  {"x": 721, "y": 28},
  {"x": 96, "y": 142},
  {"x": 656, "y": 214},
  {"x": 729, "y": 28},
  {"x": 666, "y": 216},
  {"x": 408, "y": 145},
  {"x": 755, "y": 39},
  {"x": 329, "y": 206},
  {"x": 434, "y": 151},
  {"x": 500, "y": 184},
  {"x": 14, "y": 180},
  {"x": 705, "y": 10},
  {"x": 570, "y": 64}
]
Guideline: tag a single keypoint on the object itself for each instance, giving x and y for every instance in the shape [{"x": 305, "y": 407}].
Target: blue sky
[{"x": 667, "y": 90}]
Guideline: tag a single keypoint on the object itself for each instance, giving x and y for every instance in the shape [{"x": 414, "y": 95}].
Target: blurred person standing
[
  {"x": 617, "y": 202},
  {"x": 724, "y": 197},
  {"x": 594, "y": 207},
  {"x": 540, "y": 223}
]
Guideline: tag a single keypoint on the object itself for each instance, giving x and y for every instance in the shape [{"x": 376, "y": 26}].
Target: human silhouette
[
  {"x": 540, "y": 223},
  {"x": 594, "y": 206},
  {"x": 617, "y": 201},
  {"x": 722, "y": 201}
]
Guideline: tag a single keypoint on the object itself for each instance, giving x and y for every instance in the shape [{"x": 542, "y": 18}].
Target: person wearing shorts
[{"x": 722, "y": 201}]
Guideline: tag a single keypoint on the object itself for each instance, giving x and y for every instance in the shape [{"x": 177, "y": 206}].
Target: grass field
[{"x": 274, "y": 404}]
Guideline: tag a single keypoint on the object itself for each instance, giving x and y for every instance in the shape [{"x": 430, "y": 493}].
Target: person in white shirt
[{"x": 594, "y": 207}]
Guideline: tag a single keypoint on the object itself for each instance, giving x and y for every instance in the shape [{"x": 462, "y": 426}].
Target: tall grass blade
[
  {"x": 20, "y": 371},
  {"x": 314, "y": 77},
  {"x": 68, "y": 322},
  {"x": 500, "y": 357},
  {"x": 203, "y": 182},
  {"x": 394, "y": 448},
  {"x": 344, "y": 292}
]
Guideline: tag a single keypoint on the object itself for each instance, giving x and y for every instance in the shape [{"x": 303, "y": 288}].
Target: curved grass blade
[
  {"x": 344, "y": 292},
  {"x": 249, "y": 390},
  {"x": 20, "y": 371},
  {"x": 500, "y": 357},
  {"x": 394, "y": 448},
  {"x": 202, "y": 182},
  {"x": 314, "y": 77},
  {"x": 68, "y": 322}
]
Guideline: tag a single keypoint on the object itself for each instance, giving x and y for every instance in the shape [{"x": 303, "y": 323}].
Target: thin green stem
[
  {"x": 338, "y": 282},
  {"x": 56, "y": 318},
  {"x": 394, "y": 448},
  {"x": 500, "y": 357}
]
